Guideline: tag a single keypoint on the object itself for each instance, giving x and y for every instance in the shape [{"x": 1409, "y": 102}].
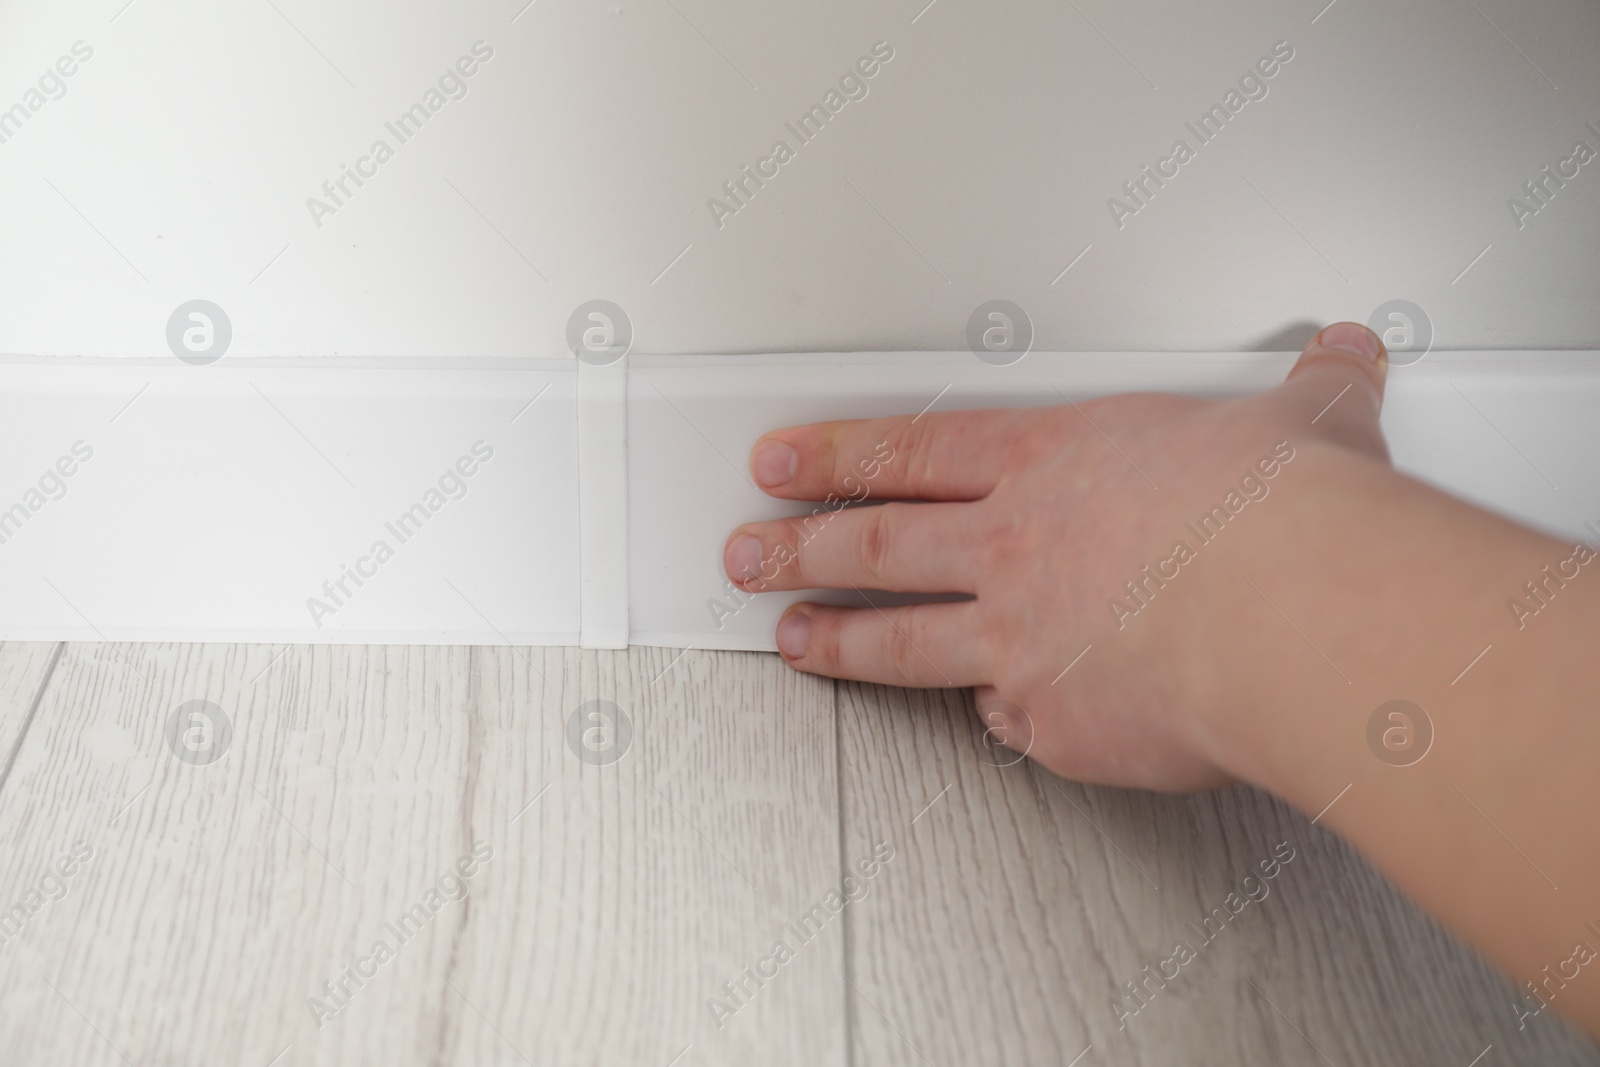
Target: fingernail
[
  {"x": 743, "y": 558},
  {"x": 774, "y": 463},
  {"x": 1351, "y": 337},
  {"x": 794, "y": 634}
]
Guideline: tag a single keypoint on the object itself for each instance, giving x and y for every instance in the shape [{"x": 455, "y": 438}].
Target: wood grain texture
[
  {"x": 1020, "y": 904},
  {"x": 991, "y": 913},
  {"x": 25, "y": 668},
  {"x": 617, "y": 900}
]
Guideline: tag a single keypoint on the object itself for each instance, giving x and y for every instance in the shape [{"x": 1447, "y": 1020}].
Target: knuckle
[
  {"x": 875, "y": 541},
  {"x": 1027, "y": 450},
  {"x": 822, "y": 651},
  {"x": 789, "y": 554},
  {"x": 839, "y": 463},
  {"x": 914, "y": 444},
  {"x": 901, "y": 648}
]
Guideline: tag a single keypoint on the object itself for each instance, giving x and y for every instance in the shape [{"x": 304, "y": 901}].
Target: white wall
[{"x": 179, "y": 162}]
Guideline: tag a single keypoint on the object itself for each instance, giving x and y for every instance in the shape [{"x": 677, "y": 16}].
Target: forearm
[{"x": 1364, "y": 587}]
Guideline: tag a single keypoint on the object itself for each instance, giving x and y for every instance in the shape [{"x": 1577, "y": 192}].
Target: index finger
[{"x": 947, "y": 456}]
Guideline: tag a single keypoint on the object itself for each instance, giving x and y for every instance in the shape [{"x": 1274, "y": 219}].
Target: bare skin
[{"x": 1323, "y": 585}]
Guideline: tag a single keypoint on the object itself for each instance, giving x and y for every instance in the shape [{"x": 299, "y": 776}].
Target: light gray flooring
[{"x": 1003, "y": 912}]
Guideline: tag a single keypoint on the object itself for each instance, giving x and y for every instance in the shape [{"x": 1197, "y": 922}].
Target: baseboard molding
[{"x": 548, "y": 502}]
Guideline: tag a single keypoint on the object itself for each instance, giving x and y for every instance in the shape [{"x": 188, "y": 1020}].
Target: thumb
[{"x": 1338, "y": 382}]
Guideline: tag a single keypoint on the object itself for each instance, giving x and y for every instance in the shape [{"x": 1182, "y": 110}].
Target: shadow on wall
[{"x": 1291, "y": 338}]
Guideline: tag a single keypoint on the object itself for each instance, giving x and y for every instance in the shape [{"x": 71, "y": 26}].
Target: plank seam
[
  {"x": 33, "y": 709},
  {"x": 844, "y": 934}
]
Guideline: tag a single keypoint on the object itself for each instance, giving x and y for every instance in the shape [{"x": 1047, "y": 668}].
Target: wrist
[
  {"x": 1383, "y": 589},
  {"x": 1329, "y": 603},
  {"x": 1359, "y": 587}
]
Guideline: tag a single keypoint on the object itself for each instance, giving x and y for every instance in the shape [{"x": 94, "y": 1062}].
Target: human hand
[{"x": 1091, "y": 634}]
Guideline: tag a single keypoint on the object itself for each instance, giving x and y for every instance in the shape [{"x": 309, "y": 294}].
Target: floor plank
[
  {"x": 632, "y": 892},
  {"x": 1020, "y": 904},
  {"x": 607, "y": 904}
]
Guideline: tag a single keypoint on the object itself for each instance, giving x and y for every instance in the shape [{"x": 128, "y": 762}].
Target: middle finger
[{"x": 896, "y": 547}]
